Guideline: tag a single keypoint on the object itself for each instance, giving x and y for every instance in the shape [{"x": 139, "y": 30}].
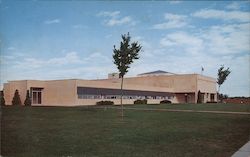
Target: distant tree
[
  {"x": 222, "y": 76},
  {"x": 222, "y": 96},
  {"x": 16, "y": 99},
  {"x": 2, "y": 99},
  {"x": 27, "y": 101},
  {"x": 124, "y": 56},
  {"x": 199, "y": 97}
]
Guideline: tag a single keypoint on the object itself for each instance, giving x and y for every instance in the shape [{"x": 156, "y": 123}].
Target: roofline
[
  {"x": 116, "y": 78},
  {"x": 163, "y": 72},
  {"x": 44, "y": 80}
]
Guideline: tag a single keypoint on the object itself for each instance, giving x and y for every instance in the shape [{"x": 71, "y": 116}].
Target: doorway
[{"x": 36, "y": 95}]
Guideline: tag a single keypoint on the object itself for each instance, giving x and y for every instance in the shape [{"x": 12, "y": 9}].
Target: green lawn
[
  {"x": 199, "y": 107},
  {"x": 91, "y": 132}
]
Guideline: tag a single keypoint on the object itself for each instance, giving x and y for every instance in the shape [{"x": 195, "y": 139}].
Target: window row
[{"x": 84, "y": 96}]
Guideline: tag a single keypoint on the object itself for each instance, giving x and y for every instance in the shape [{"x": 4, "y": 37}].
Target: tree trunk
[
  {"x": 218, "y": 95},
  {"x": 122, "y": 95}
]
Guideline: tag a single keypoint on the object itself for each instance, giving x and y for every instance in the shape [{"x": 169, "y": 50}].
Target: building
[{"x": 154, "y": 86}]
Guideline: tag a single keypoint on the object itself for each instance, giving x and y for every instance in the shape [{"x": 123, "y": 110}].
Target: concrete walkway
[
  {"x": 176, "y": 110},
  {"x": 244, "y": 151}
]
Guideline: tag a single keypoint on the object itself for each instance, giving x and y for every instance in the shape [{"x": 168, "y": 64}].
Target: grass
[
  {"x": 199, "y": 107},
  {"x": 91, "y": 132}
]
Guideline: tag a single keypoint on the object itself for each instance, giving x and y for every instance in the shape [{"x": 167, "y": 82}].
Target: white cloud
[
  {"x": 69, "y": 58},
  {"x": 172, "y": 21},
  {"x": 233, "y": 6},
  {"x": 217, "y": 40},
  {"x": 52, "y": 21},
  {"x": 174, "y": 2},
  {"x": 115, "y": 19},
  {"x": 100, "y": 58},
  {"x": 228, "y": 39},
  {"x": 190, "y": 43},
  {"x": 239, "y": 16},
  {"x": 71, "y": 65}
]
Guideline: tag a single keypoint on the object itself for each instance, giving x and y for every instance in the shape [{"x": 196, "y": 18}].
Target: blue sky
[{"x": 74, "y": 39}]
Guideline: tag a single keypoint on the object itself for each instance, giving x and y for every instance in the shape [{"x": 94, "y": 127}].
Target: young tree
[
  {"x": 124, "y": 56},
  {"x": 199, "y": 97},
  {"x": 2, "y": 99},
  {"x": 16, "y": 99},
  {"x": 222, "y": 76},
  {"x": 27, "y": 101}
]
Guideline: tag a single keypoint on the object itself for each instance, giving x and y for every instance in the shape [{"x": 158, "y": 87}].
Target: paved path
[
  {"x": 244, "y": 151},
  {"x": 176, "y": 110}
]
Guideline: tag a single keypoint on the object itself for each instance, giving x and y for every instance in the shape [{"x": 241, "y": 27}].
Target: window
[{"x": 107, "y": 93}]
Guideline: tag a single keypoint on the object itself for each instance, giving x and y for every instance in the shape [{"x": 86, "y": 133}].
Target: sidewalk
[{"x": 244, "y": 151}]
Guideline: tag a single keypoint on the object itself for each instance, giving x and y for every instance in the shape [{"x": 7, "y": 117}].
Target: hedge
[
  {"x": 140, "y": 101},
  {"x": 165, "y": 102},
  {"x": 105, "y": 103}
]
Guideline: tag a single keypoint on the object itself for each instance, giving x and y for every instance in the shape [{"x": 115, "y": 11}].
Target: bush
[
  {"x": 211, "y": 102},
  {"x": 2, "y": 99},
  {"x": 27, "y": 101},
  {"x": 165, "y": 102},
  {"x": 16, "y": 99},
  {"x": 199, "y": 101},
  {"x": 141, "y": 101},
  {"x": 105, "y": 103}
]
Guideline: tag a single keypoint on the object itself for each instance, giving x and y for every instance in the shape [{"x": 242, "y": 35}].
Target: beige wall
[
  {"x": 10, "y": 88},
  {"x": 207, "y": 85},
  {"x": 128, "y": 84},
  {"x": 55, "y": 93},
  {"x": 59, "y": 93},
  {"x": 168, "y": 83},
  {"x": 64, "y": 92}
]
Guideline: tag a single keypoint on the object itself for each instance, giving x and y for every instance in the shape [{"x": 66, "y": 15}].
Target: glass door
[{"x": 36, "y": 95}]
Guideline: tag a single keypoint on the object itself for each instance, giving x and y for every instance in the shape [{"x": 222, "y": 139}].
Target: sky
[{"x": 46, "y": 40}]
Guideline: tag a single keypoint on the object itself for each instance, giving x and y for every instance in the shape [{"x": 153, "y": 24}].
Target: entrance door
[
  {"x": 212, "y": 97},
  {"x": 186, "y": 98},
  {"x": 36, "y": 95}
]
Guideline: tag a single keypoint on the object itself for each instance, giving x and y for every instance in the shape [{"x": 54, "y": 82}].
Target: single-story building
[{"x": 153, "y": 86}]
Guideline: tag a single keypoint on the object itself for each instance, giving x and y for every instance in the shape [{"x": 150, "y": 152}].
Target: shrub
[
  {"x": 2, "y": 100},
  {"x": 165, "y": 102},
  {"x": 27, "y": 101},
  {"x": 199, "y": 97},
  {"x": 140, "y": 101},
  {"x": 105, "y": 103},
  {"x": 16, "y": 99},
  {"x": 210, "y": 102}
]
